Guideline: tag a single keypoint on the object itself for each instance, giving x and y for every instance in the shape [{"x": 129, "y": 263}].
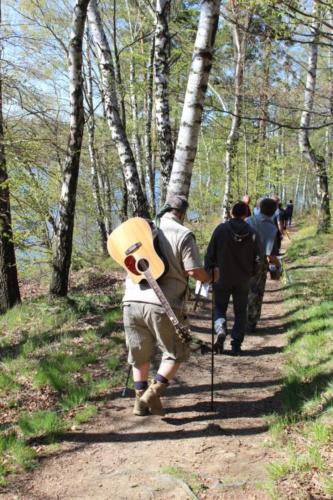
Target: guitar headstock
[{"x": 184, "y": 333}]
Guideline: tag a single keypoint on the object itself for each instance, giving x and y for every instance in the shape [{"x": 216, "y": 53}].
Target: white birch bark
[
  {"x": 296, "y": 192},
  {"x": 137, "y": 201},
  {"x": 92, "y": 152},
  {"x": 148, "y": 106},
  {"x": 136, "y": 140},
  {"x": 190, "y": 123},
  {"x": 329, "y": 131},
  {"x": 317, "y": 161},
  {"x": 162, "y": 111},
  {"x": 239, "y": 44},
  {"x": 65, "y": 223},
  {"x": 120, "y": 89},
  {"x": 304, "y": 201}
]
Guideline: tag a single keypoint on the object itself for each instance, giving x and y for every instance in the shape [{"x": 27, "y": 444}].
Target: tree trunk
[
  {"x": 304, "y": 203},
  {"x": 150, "y": 173},
  {"x": 329, "y": 131},
  {"x": 161, "y": 66},
  {"x": 296, "y": 192},
  {"x": 9, "y": 287},
  {"x": 92, "y": 153},
  {"x": 246, "y": 165},
  {"x": 190, "y": 123},
  {"x": 239, "y": 43},
  {"x": 136, "y": 198},
  {"x": 65, "y": 223},
  {"x": 117, "y": 67},
  {"x": 136, "y": 139},
  {"x": 318, "y": 162}
]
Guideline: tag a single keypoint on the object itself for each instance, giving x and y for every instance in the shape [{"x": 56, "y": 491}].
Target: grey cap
[{"x": 177, "y": 202}]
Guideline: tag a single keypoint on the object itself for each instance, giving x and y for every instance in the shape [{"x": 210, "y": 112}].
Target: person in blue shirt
[{"x": 268, "y": 232}]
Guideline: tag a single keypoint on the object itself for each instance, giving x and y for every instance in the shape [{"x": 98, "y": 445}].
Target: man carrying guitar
[{"x": 145, "y": 320}]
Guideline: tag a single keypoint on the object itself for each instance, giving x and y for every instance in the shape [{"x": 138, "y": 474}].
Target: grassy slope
[
  {"x": 304, "y": 430},
  {"x": 55, "y": 367}
]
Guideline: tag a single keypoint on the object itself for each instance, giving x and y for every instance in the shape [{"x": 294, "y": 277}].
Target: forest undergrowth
[
  {"x": 303, "y": 431},
  {"x": 59, "y": 359}
]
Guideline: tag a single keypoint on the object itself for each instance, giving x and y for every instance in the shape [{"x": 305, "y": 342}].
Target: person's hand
[{"x": 216, "y": 274}]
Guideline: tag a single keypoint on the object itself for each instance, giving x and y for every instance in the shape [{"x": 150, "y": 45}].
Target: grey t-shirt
[{"x": 179, "y": 247}]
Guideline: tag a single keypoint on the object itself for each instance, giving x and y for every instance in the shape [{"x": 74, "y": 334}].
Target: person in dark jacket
[
  {"x": 289, "y": 212},
  {"x": 235, "y": 249}
]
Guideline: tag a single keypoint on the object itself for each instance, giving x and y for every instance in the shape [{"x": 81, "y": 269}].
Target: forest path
[{"x": 220, "y": 454}]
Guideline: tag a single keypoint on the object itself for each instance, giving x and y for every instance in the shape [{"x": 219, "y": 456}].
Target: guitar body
[{"x": 131, "y": 245}]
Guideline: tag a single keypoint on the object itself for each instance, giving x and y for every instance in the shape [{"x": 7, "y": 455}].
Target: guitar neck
[{"x": 164, "y": 301}]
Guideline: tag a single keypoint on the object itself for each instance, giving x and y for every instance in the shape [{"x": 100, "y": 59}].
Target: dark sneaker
[
  {"x": 219, "y": 343},
  {"x": 236, "y": 350},
  {"x": 251, "y": 328}
]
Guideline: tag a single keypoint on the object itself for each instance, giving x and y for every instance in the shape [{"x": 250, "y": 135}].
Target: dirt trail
[{"x": 119, "y": 456}]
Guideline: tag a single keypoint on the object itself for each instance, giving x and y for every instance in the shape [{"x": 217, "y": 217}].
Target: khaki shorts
[{"x": 147, "y": 325}]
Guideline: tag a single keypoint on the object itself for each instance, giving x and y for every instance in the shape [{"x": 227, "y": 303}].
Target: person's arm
[
  {"x": 204, "y": 276},
  {"x": 280, "y": 223},
  {"x": 273, "y": 257},
  {"x": 192, "y": 262},
  {"x": 210, "y": 256}
]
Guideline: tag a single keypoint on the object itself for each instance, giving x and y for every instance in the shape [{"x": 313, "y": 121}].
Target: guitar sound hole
[{"x": 143, "y": 265}]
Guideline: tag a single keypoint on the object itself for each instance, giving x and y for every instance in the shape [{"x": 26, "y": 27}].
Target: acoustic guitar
[{"x": 131, "y": 245}]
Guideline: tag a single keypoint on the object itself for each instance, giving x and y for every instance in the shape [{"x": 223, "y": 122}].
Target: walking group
[{"x": 238, "y": 257}]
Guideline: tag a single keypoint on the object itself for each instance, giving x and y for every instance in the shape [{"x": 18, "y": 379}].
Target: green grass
[
  {"x": 14, "y": 454},
  {"x": 41, "y": 423},
  {"x": 83, "y": 416},
  {"x": 304, "y": 427},
  {"x": 53, "y": 366}
]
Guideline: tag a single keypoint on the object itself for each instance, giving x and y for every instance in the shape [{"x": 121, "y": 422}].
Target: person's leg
[
  {"x": 240, "y": 297},
  {"x": 140, "y": 344},
  {"x": 168, "y": 370},
  {"x": 222, "y": 297},
  {"x": 255, "y": 298},
  {"x": 174, "y": 353}
]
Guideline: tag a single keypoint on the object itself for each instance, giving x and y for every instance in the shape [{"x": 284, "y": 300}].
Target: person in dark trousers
[
  {"x": 289, "y": 212},
  {"x": 235, "y": 249},
  {"x": 268, "y": 234},
  {"x": 278, "y": 219}
]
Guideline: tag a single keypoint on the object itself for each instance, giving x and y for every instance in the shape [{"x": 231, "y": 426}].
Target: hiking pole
[
  {"x": 123, "y": 393},
  {"x": 212, "y": 356}
]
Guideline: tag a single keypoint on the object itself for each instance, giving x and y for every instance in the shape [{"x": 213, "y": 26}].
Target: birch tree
[
  {"x": 162, "y": 111},
  {"x": 239, "y": 40},
  {"x": 95, "y": 174},
  {"x": 136, "y": 198},
  {"x": 65, "y": 223},
  {"x": 317, "y": 161},
  {"x": 9, "y": 287},
  {"x": 190, "y": 123},
  {"x": 148, "y": 108}
]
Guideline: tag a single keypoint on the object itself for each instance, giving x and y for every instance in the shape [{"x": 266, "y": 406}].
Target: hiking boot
[
  {"x": 220, "y": 327},
  {"x": 151, "y": 397},
  {"x": 140, "y": 409},
  {"x": 219, "y": 343}
]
